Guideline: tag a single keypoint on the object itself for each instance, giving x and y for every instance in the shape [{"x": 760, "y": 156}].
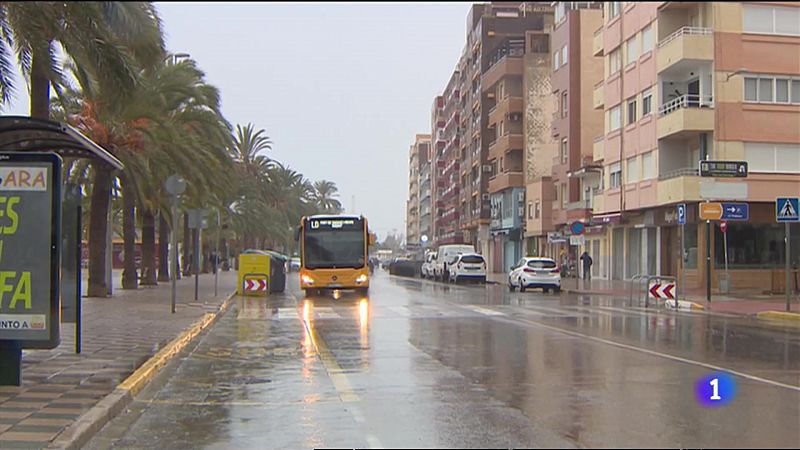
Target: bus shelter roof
[{"x": 28, "y": 134}]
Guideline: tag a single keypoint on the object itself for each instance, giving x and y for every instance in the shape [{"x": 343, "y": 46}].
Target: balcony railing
[
  {"x": 685, "y": 172},
  {"x": 686, "y": 101},
  {"x": 696, "y": 31},
  {"x": 581, "y": 204}
]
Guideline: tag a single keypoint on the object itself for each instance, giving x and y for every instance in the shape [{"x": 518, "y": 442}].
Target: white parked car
[
  {"x": 446, "y": 256},
  {"x": 294, "y": 264},
  {"x": 469, "y": 266},
  {"x": 427, "y": 267},
  {"x": 535, "y": 272}
]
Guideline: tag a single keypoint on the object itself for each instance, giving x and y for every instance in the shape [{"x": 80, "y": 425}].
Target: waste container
[
  {"x": 254, "y": 273},
  {"x": 277, "y": 275}
]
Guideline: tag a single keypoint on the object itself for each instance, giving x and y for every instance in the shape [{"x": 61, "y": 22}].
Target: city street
[{"x": 423, "y": 364}]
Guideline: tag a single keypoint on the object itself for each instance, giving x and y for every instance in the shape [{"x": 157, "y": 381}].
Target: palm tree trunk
[
  {"x": 187, "y": 246},
  {"x": 98, "y": 223},
  {"x": 40, "y": 84},
  {"x": 130, "y": 280},
  {"x": 148, "y": 248},
  {"x": 163, "y": 248}
]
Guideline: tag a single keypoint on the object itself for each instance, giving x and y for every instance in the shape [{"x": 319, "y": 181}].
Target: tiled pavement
[{"x": 119, "y": 334}]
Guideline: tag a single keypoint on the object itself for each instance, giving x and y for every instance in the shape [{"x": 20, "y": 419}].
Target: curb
[
  {"x": 779, "y": 315},
  {"x": 92, "y": 421}
]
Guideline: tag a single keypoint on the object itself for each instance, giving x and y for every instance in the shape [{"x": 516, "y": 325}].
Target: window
[
  {"x": 564, "y": 151},
  {"x": 631, "y": 111},
  {"x": 564, "y": 196},
  {"x": 614, "y": 118},
  {"x": 556, "y": 60},
  {"x": 536, "y": 210},
  {"x": 771, "y": 19},
  {"x": 613, "y": 62},
  {"x": 647, "y": 102},
  {"x": 648, "y": 166},
  {"x": 762, "y": 157},
  {"x": 632, "y": 173},
  {"x": 564, "y": 105},
  {"x": 755, "y": 246},
  {"x": 613, "y": 9},
  {"x": 564, "y": 57},
  {"x": 615, "y": 175},
  {"x": 690, "y": 247},
  {"x": 631, "y": 50},
  {"x": 765, "y": 89},
  {"x": 782, "y": 90},
  {"x": 647, "y": 39},
  {"x": 771, "y": 89},
  {"x": 560, "y": 11},
  {"x": 751, "y": 89}
]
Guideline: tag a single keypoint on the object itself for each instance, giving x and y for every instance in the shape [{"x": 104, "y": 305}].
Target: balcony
[
  {"x": 508, "y": 66},
  {"x": 506, "y": 180},
  {"x": 684, "y": 116},
  {"x": 679, "y": 186},
  {"x": 597, "y": 42},
  {"x": 505, "y": 143},
  {"x": 598, "y": 147},
  {"x": 598, "y": 100},
  {"x": 690, "y": 44},
  {"x": 504, "y": 107}
]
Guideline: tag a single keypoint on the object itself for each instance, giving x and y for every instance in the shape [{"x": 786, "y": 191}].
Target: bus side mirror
[{"x": 297, "y": 234}]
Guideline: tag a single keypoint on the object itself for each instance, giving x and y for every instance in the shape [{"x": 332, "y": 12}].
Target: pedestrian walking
[{"x": 587, "y": 265}]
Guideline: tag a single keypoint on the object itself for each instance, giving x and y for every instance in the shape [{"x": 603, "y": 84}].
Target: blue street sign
[
  {"x": 577, "y": 228},
  {"x": 735, "y": 211},
  {"x": 682, "y": 214},
  {"x": 787, "y": 209}
]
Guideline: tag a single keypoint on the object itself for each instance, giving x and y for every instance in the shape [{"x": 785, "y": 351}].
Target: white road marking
[
  {"x": 663, "y": 355},
  {"x": 373, "y": 441},
  {"x": 488, "y": 312},
  {"x": 400, "y": 310}
]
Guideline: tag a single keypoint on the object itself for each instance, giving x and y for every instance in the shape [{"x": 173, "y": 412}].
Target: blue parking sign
[
  {"x": 787, "y": 209},
  {"x": 682, "y": 214}
]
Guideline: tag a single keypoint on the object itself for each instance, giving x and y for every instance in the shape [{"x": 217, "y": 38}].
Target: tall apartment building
[
  {"x": 425, "y": 193},
  {"x": 491, "y": 29},
  {"x": 448, "y": 229},
  {"x": 417, "y": 155},
  {"x": 575, "y": 124},
  {"x": 436, "y": 165},
  {"x": 686, "y": 82},
  {"x": 502, "y": 84}
]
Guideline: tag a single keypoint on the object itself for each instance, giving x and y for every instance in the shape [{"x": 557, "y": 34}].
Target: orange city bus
[{"x": 334, "y": 253}]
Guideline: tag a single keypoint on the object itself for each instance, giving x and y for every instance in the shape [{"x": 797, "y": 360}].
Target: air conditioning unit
[
  {"x": 521, "y": 211},
  {"x": 485, "y": 197},
  {"x": 521, "y": 196},
  {"x": 487, "y": 168}
]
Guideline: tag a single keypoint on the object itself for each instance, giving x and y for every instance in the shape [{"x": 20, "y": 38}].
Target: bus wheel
[{"x": 362, "y": 291}]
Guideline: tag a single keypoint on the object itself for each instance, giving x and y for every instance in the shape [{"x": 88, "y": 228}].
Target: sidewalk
[
  {"x": 119, "y": 334},
  {"x": 736, "y": 303}
]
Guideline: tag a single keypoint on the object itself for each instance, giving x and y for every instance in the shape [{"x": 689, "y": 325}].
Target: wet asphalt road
[{"x": 422, "y": 364}]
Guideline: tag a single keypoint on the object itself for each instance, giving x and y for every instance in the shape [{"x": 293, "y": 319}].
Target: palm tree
[
  {"x": 172, "y": 123},
  {"x": 107, "y": 39},
  {"x": 324, "y": 195}
]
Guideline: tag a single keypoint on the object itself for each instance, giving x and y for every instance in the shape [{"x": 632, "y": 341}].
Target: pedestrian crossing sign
[{"x": 787, "y": 209}]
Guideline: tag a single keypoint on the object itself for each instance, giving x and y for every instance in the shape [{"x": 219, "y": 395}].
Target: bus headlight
[
  {"x": 361, "y": 279},
  {"x": 306, "y": 279}
]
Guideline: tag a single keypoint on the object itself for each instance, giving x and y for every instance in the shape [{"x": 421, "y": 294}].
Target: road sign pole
[
  {"x": 173, "y": 271},
  {"x": 683, "y": 259},
  {"x": 196, "y": 262},
  {"x": 708, "y": 261},
  {"x": 788, "y": 287}
]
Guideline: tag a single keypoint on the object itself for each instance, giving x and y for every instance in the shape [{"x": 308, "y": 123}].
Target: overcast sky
[{"x": 340, "y": 88}]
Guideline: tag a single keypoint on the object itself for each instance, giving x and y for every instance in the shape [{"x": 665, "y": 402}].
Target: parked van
[{"x": 446, "y": 256}]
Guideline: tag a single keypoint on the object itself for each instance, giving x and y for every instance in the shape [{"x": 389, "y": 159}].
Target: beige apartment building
[
  {"x": 418, "y": 158},
  {"x": 684, "y": 82}
]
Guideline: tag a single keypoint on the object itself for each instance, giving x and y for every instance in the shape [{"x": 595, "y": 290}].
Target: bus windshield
[{"x": 328, "y": 247}]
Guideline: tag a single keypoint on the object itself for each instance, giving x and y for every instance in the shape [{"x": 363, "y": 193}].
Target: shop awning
[{"x": 27, "y": 134}]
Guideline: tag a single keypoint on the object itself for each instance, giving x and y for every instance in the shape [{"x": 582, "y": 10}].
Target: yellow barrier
[{"x": 253, "y": 275}]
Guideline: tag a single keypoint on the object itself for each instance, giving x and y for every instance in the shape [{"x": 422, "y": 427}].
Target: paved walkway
[
  {"x": 119, "y": 334},
  {"x": 737, "y": 303}
]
